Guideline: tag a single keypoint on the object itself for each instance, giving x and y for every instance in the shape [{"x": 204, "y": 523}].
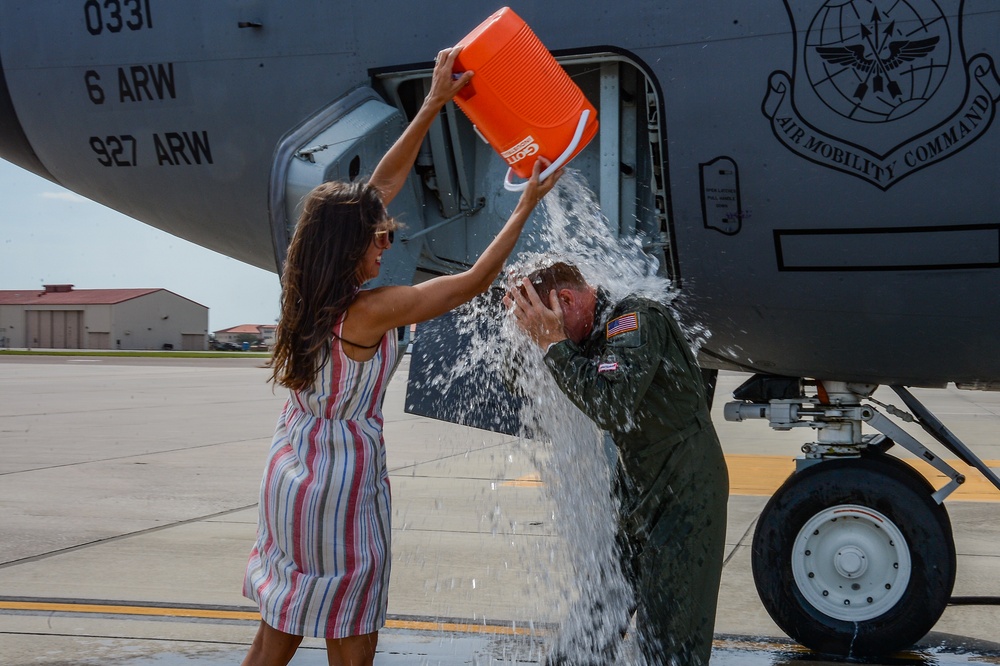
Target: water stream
[{"x": 569, "y": 452}]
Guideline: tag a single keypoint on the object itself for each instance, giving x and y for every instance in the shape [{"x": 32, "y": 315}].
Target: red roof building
[
  {"x": 61, "y": 317},
  {"x": 236, "y": 334}
]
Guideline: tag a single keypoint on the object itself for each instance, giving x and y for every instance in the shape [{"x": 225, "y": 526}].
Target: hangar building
[
  {"x": 263, "y": 332},
  {"x": 61, "y": 317}
]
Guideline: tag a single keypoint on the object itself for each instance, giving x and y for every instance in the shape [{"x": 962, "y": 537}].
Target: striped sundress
[{"x": 320, "y": 566}]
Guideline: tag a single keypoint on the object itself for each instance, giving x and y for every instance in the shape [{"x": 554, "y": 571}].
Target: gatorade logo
[{"x": 524, "y": 148}]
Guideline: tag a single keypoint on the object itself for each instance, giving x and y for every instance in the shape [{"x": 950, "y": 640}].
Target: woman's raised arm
[
  {"x": 385, "y": 308},
  {"x": 395, "y": 165}
]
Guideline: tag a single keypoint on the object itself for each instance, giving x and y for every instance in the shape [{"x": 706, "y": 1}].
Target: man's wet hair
[{"x": 559, "y": 275}]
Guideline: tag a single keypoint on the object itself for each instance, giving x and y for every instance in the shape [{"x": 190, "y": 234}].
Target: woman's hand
[
  {"x": 395, "y": 165},
  {"x": 444, "y": 85},
  {"x": 537, "y": 188}
]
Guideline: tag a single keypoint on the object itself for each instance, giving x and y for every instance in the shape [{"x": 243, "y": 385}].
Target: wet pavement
[{"x": 128, "y": 505}]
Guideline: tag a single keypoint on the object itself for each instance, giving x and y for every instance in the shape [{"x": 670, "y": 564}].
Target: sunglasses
[{"x": 384, "y": 238}]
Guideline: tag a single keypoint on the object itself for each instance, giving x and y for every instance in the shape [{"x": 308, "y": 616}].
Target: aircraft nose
[{"x": 14, "y": 144}]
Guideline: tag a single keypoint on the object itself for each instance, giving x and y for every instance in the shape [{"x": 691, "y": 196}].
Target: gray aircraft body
[{"x": 819, "y": 178}]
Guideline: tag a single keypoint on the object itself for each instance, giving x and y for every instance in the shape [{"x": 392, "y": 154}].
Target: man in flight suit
[{"x": 628, "y": 367}]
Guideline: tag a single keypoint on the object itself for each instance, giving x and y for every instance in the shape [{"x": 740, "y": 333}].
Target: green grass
[{"x": 149, "y": 354}]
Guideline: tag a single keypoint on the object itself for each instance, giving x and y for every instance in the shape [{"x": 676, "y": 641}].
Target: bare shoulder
[
  {"x": 376, "y": 311},
  {"x": 370, "y": 302}
]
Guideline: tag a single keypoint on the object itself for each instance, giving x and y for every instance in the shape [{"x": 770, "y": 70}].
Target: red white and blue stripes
[{"x": 320, "y": 566}]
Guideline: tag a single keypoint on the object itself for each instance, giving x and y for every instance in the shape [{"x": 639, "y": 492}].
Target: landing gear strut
[{"x": 854, "y": 554}]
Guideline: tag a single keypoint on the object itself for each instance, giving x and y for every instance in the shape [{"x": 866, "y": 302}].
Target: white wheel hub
[{"x": 851, "y": 562}]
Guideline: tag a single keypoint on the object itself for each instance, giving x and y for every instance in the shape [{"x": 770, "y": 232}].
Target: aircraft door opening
[
  {"x": 461, "y": 176},
  {"x": 464, "y": 203},
  {"x": 344, "y": 141}
]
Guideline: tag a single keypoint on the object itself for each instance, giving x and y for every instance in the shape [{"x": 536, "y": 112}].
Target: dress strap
[
  {"x": 356, "y": 344},
  {"x": 339, "y": 326}
]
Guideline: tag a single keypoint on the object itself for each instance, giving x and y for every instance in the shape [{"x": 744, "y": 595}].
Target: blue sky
[{"x": 49, "y": 235}]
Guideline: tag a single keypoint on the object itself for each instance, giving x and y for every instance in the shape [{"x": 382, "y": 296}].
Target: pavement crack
[
  {"x": 120, "y": 537},
  {"x": 739, "y": 543},
  {"x": 131, "y": 455}
]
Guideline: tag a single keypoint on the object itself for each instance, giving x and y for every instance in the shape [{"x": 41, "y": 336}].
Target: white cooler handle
[{"x": 517, "y": 187}]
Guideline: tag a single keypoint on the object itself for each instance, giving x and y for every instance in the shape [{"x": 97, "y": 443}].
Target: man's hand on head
[{"x": 543, "y": 323}]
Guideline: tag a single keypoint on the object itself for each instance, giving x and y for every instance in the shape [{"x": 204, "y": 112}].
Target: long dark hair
[{"x": 320, "y": 279}]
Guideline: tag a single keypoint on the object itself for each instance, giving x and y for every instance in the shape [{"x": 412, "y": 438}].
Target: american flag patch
[
  {"x": 607, "y": 367},
  {"x": 623, "y": 324}
]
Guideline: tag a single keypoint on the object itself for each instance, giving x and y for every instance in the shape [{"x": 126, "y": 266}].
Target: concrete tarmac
[{"x": 128, "y": 502}]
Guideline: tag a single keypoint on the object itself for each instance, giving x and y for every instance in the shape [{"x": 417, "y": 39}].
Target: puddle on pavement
[
  {"x": 736, "y": 651},
  {"x": 427, "y": 649}
]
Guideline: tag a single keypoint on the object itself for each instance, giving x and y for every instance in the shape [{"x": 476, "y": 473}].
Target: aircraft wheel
[{"x": 854, "y": 557}]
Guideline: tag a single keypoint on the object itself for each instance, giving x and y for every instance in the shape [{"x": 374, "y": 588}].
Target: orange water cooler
[{"x": 521, "y": 101}]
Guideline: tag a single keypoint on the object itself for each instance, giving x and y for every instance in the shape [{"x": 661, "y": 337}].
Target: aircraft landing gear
[
  {"x": 854, "y": 557},
  {"x": 854, "y": 554}
]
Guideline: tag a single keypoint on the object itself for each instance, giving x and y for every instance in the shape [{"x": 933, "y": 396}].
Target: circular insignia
[{"x": 880, "y": 61}]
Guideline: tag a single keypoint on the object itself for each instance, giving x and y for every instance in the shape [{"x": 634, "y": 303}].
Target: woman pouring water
[{"x": 320, "y": 564}]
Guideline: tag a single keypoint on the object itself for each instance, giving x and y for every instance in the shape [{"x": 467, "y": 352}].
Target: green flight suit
[{"x": 636, "y": 378}]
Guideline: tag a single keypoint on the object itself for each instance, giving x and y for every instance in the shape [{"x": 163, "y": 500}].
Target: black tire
[{"x": 862, "y": 491}]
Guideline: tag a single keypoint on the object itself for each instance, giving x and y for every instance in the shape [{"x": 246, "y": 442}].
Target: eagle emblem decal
[{"x": 880, "y": 89}]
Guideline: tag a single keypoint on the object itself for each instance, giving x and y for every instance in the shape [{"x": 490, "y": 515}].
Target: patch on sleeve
[
  {"x": 608, "y": 364},
  {"x": 624, "y": 324}
]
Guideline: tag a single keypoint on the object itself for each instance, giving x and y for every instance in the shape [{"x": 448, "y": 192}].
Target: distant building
[
  {"x": 61, "y": 317},
  {"x": 262, "y": 332}
]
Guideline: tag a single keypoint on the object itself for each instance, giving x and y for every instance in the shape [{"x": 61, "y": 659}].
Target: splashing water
[{"x": 573, "y": 459}]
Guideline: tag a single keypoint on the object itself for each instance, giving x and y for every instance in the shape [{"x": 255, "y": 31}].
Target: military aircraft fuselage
[{"x": 819, "y": 178}]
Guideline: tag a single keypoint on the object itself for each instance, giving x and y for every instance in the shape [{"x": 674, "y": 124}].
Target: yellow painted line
[
  {"x": 461, "y": 628},
  {"x": 527, "y": 481},
  {"x": 208, "y": 614},
  {"x": 733, "y": 642},
  {"x": 762, "y": 475},
  {"x": 411, "y": 625},
  {"x": 155, "y": 611},
  {"x": 759, "y": 475}
]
